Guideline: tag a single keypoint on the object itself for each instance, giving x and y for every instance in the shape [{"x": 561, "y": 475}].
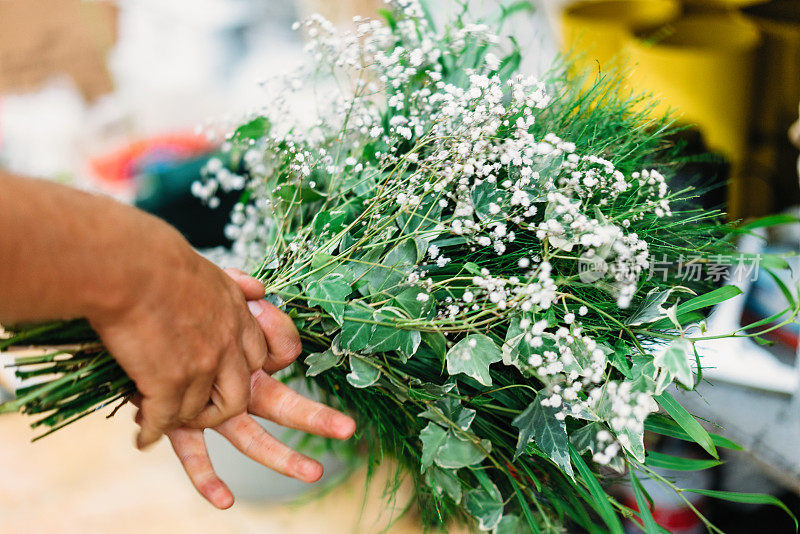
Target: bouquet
[{"x": 467, "y": 253}]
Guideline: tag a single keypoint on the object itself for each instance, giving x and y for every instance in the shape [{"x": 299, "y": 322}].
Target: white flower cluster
[{"x": 465, "y": 155}]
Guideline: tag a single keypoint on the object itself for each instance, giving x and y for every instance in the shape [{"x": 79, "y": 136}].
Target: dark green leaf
[
  {"x": 600, "y": 498},
  {"x": 662, "y": 425},
  {"x": 674, "y": 463},
  {"x": 746, "y": 498},
  {"x": 687, "y": 422},
  {"x": 649, "y": 524}
]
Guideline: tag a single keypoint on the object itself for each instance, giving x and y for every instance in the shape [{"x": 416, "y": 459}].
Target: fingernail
[{"x": 255, "y": 307}]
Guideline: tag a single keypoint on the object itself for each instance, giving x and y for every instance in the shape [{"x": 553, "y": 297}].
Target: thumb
[{"x": 252, "y": 288}]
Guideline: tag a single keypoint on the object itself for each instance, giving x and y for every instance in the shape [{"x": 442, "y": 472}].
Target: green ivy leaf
[
  {"x": 330, "y": 293},
  {"x": 253, "y": 130},
  {"x": 619, "y": 358},
  {"x": 456, "y": 452},
  {"x": 357, "y": 327},
  {"x": 392, "y": 338},
  {"x": 472, "y": 357},
  {"x": 432, "y": 437},
  {"x": 444, "y": 481},
  {"x": 407, "y": 300},
  {"x": 539, "y": 423},
  {"x": 362, "y": 373},
  {"x": 326, "y": 224},
  {"x": 485, "y": 506},
  {"x": 393, "y": 271},
  {"x": 512, "y": 524},
  {"x": 319, "y": 362},
  {"x": 437, "y": 343},
  {"x": 449, "y": 411}
]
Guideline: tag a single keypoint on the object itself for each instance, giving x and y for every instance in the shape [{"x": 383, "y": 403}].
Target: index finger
[
  {"x": 274, "y": 400},
  {"x": 283, "y": 340},
  {"x": 158, "y": 415}
]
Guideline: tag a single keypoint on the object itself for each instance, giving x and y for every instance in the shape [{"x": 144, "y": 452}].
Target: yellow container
[
  {"x": 595, "y": 31},
  {"x": 721, "y": 4},
  {"x": 777, "y": 91},
  {"x": 702, "y": 66}
]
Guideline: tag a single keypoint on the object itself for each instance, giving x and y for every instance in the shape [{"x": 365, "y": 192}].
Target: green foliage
[
  {"x": 455, "y": 396},
  {"x": 472, "y": 357},
  {"x": 540, "y": 424}
]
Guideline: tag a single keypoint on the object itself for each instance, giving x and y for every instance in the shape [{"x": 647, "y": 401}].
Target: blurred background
[{"x": 108, "y": 96}]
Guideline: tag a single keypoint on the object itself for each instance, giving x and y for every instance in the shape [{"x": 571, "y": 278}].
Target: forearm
[{"x": 66, "y": 253}]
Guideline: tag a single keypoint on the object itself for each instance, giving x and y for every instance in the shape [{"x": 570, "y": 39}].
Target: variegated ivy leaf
[
  {"x": 486, "y": 506},
  {"x": 539, "y": 423},
  {"x": 362, "y": 373},
  {"x": 324, "y": 264},
  {"x": 585, "y": 440},
  {"x": 483, "y": 196},
  {"x": 643, "y": 374},
  {"x": 472, "y": 357},
  {"x": 420, "y": 390},
  {"x": 633, "y": 441},
  {"x": 391, "y": 338},
  {"x": 357, "y": 327},
  {"x": 409, "y": 301},
  {"x": 515, "y": 350},
  {"x": 329, "y": 293},
  {"x": 432, "y": 437},
  {"x": 326, "y": 224},
  {"x": 652, "y": 308},
  {"x": 444, "y": 481},
  {"x": 449, "y": 411},
  {"x": 319, "y": 362},
  {"x": 448, "y": 450},
  {"x": 512, "y": 524},
  {"x": 675, "y": 361},
  {"x": 392, "y": 273},
  {"x": 456, "y": 452}
]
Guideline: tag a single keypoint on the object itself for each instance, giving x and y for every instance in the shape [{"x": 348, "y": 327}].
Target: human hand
[
  {"x": 188, "y": 340},
  {"x": 269, "y": 399},
  {"x": 276, "y": 402}
]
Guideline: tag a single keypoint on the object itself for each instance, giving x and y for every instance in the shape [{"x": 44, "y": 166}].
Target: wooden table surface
[{"x": 89, "y": 479}]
